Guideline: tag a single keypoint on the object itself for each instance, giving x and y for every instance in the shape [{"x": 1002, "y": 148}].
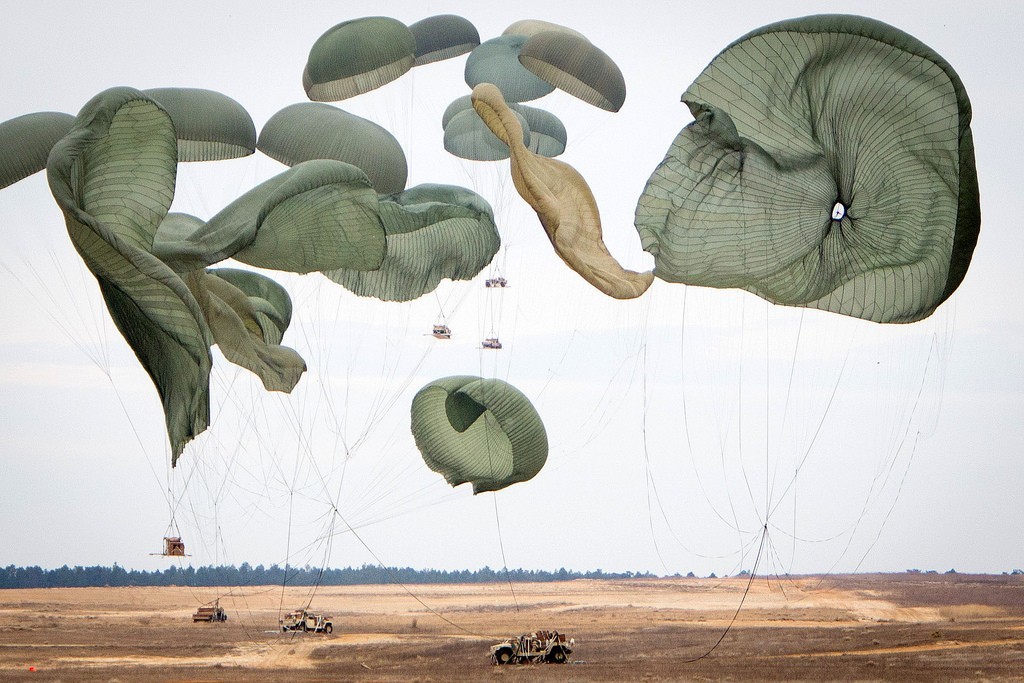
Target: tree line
[{"x": 247, "y": 575}]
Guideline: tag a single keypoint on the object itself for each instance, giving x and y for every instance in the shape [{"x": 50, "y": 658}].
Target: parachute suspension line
[
  {"x": 649, "y": 478},
  {"x": 876, "y": 487},
  {"x": 501, "y": 546},
  {"x": 287, "y": 553},
  {"x": 736, "y": 614},
  {"x": 782, "y": 430},
  {"x": 399, "y": 583},
  {"x": 686, "y": 423}
]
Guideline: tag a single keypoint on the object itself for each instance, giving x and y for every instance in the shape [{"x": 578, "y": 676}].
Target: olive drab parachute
[
  {"x": 468, "y": 137},
  {"x": 209, "y": 125},
  {"x": 479, "y": 431},
  {"x": 442, "y": 37},
  {"x": 358, "y": 56},
  {"x": 26, "y": 141},
  {"x": 315, "y": 130},
  {"x": 573, "y": 64},
  {"x": 496, "y": 61},
  {"x": 841, "y": 178},
  {"x": 547, "y": 134},
  {"x": 433, "y": 232},
  {"x": 113, "y": 177}
]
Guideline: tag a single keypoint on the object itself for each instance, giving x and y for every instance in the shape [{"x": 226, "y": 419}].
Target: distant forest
[{"x": 246, "y": 575}]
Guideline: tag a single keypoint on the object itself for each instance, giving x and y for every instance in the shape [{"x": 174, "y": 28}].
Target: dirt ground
[{"x": 906, "y": 627}]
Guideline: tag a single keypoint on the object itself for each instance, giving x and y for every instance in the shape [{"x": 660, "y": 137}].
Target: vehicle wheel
[
  {"x": 328, "y": 628},
  {"x": 557, "y": 656},
  {"x": 503, "y": 656},
  {"x": 304, "y": 628}
]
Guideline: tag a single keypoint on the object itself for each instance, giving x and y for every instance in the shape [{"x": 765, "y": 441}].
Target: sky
[{"x": 681, "y": 424}]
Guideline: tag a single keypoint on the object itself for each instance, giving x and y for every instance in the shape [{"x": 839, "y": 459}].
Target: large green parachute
[
  {"x": 442, "y": 37},
  {"x": 113, "y": 175},
  {"x": 209, "y": 125},
  {"x": 357, "y": 56},
  {"x": 482, "y": 431},
  {"x": 830, "y": 165},
  {"x": 315, "y": 130},
  {"x": 432, "y": 232}
]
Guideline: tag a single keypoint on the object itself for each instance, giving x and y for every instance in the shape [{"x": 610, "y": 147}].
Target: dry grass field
[{"x": 906, "y": 627}]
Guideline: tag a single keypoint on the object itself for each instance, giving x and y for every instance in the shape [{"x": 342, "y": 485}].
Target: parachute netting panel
[{"x": 839, "y": 177}]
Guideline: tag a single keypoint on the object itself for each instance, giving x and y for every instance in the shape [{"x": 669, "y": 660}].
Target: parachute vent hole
[
  {"x": 838, "y": 211},
  {"x": 462, "y": 410}
]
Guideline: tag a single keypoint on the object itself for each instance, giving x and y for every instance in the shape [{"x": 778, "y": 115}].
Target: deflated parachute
[
  {"x": 563, "y": 202},
  {"x": 481, "y": 431},
  {"x": 113, "y": 177},
  {"x": 842, "y": 177},
  {"x": 433, "y": 232}
]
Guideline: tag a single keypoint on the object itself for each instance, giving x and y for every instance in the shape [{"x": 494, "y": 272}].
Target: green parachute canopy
[
  {"x": 468, "y": 137},
  {"x": 317, "y": 215},
  {"x": 209, "y": 125},
  {"x": 358, "y": 56},
  {"x": 480, "y": 431},
  {"x": 113, "y": 176},
  {"x": 442, "y": 37},
  {"x": 496, "y": 61},
  {"x": 547, "y": 133},
  {"x": 433, "y": 232},
  {"x": 573, "y": 64},
  {"x": 26, "y": 141},
  {"x": 830, "y": 165},
  {"x": 315, "y": 130}
]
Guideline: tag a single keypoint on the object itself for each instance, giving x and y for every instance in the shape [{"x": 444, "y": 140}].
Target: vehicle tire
[
  {"x": 328, "y": 628},
  {"x": 557, "y": 656},
  {"x": 303, "y": 628},
  {"x": 503, "y": 656}
]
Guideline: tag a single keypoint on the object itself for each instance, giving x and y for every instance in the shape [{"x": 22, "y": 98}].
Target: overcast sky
[{"x": 680, "y": 423}]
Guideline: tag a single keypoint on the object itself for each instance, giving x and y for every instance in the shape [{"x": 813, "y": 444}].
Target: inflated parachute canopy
[
  {"x": 433, "y": 232},
  {"x": 209, "y": 125},
  {"x": 547, "y": 134},
  {"x": 573, "y": 64},
  {"x": 563, "y": 201},
  {"x": 531, "y": 27},
  {"x": 357, "y": 56},
  {"x": 26, "y": 141},
  {"x": 839, "y": 174},
  {"x": 496, "y": 61},
  {"x": 315, "y": 130},
  {"x": 468, "y": 137},
  {"x": 317, "y": 215},
  {"x": 442, "y": 37},
  {"x": 481, "y": 431}
]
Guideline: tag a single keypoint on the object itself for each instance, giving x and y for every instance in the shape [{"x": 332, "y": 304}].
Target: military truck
[
  {"x": 540, "y": 646},
  {"x": 307, "y": 621}
]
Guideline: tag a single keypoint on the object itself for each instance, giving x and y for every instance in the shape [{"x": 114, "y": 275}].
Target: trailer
[{"x": 210, "y": 613}]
